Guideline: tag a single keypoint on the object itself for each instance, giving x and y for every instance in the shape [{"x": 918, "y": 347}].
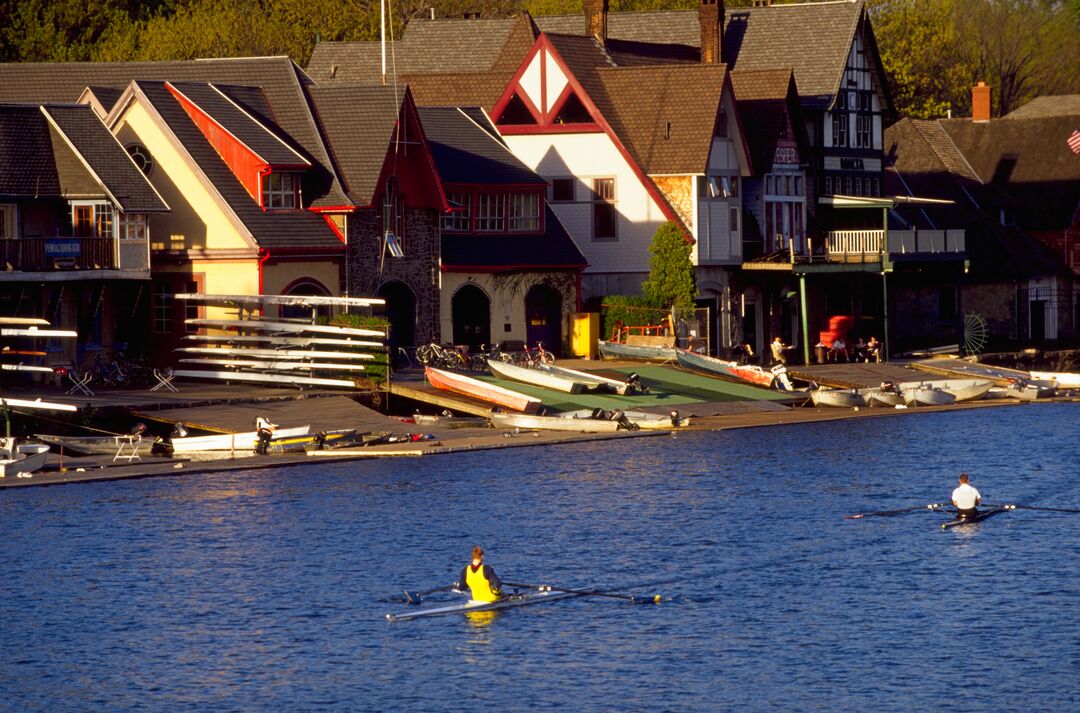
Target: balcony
[
  {"x": 863, "y": 246},
  {"x": 74, "y": 258}
]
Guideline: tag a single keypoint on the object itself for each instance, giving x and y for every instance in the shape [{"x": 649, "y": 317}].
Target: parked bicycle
[
  {"x": 441, "y": 356},
  {"x": 531, "y": 356},
  {"x": 478, "y": 362}
]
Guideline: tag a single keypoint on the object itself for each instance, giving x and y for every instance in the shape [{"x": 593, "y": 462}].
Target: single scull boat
[
  {"x": 510, "y": 601},
  {"x": 977, "y": 517}
]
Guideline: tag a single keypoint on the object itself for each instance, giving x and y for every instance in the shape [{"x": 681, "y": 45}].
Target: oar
[
  {"x": 588, "y": 592},
  {"x": 884, "y": 513},
  {"x": 1035, "y": 507},
  {"x": 417, "y": 597}
]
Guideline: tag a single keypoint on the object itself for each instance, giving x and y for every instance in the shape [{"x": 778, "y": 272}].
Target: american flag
[{"x": 1074, "y": 141}]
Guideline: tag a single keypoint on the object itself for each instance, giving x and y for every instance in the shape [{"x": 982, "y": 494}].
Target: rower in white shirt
[{"x": 965, "y": 497}]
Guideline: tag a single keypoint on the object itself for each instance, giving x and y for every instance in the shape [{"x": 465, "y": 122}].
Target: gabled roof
[
  {"x": 767, "y": 100},
  {"x": 1044, "y": 107},
  {"x": 227, "y": 113},
  {"x": 358, "y": 122},
  {"x": 813, "y": 38},
  {"x": 923, "y": 164},
  {"x": 464, "y": 89},
  {"x": 106, "y": 159},
  {"x": 65, "y": 151},
  {"x": 277, "y": 79},
  {"x": 468, "y": 149},
  {"x": 269, "y": 229},
  {"x": 555, "y": 250},
  {"x": 428, "y": 46}
]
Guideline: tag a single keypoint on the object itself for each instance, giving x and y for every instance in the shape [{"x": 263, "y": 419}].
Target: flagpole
[{"x": 382, "y": 36}]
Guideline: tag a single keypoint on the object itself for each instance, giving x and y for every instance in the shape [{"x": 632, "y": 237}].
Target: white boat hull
[
  {"x": 231, "y": 441},
  {"x": 837, "y": 398},
  {"x": 534, "y": 377},
  {"x": 553, "y": 423},
  {"x": 928, "y": 396},
  {"x": 24, "y": 458}
]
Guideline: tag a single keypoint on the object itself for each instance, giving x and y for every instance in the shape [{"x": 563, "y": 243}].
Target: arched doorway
[
  {"x": 400, "y": 311},
  {"x": 471, "y": 311},
  {"x": 305, "y": 286},
  {"x": 543, "y": 318}
]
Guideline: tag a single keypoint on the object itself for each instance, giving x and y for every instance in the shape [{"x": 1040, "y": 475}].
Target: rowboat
[
  {"x": 592, "y": 381},
  {"x": 481, "y": 390},
  {"x": 638, "y": 352},
  {"x": 282, "y": 327},
  {"x": 535, "y": 377},
  {"x": 21, "y": 458},
  {"x": 883, "y": 397},
  {"x": 274, "y": 353},
  {"x": 275, "y": 365},
  {"x": 1028, "y": 392},
  {"x": 277, "y": 341},
  {"x": 232, "y": 441},
  {"x": 509, "y": 601},
  {"x": 98, "y": 445},
  {"x": 1063, "y": 379},
  {"x": 730, "y": 369},
  {"x": 971, "y": 393},
  {"x": 927, "y": 395},
  {"x": 553, "y": 423},
  {"x": 840, "y": 398},
  {"x": 274, "y": 379},
  {"x": 978, "y": 517},
  {"x": 632, "y": 420}
]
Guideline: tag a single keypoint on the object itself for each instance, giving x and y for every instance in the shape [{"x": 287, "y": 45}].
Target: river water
[{"x": 268, "y": 589}]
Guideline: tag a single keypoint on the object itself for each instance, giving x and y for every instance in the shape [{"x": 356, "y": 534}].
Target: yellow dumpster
[{"x": 585, "y": 332}]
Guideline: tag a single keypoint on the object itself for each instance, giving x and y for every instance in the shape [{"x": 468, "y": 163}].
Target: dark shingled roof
[
  {"x": 429, "y": 46},
  {"x": 358, "y": 122},
  {"x": 1042, "y": 107},
  {"x": 554, "y": 250},
  {"x": 997, "y": 252},
  {"x": 812, "y": 38},
  {"x": 766, "y": 98},
  {"x": 280, "y": 81},
  {"x": 270, "y": 229},
  {"x": 458, "y": 89},
  {"x": 107, "y": 159},
  {"x": 466, "y": 150},
  {"x": 27, "y": 166},
  {"x": 230, "y": 116}
]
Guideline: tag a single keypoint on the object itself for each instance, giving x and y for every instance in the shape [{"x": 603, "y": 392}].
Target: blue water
[{"x": 267, "y": 590}]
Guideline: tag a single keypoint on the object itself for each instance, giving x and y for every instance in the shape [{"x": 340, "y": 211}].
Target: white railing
[{"x": 855, "y": 242}]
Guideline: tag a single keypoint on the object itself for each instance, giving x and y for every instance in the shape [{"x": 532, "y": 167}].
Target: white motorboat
[
  {"x": 927, "y": 395},
  {"x": 839, "y": 398},
  {"x": 22, "y": 458}
]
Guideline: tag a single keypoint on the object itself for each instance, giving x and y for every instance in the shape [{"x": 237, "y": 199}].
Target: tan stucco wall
[
  {"x": 197, "y": 219},
  {"x": 276, "y": 277},
  {"x": 503, "y": 310}
]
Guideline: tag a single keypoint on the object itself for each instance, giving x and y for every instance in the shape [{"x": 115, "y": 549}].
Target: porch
[{"x": 66, "y": 254}]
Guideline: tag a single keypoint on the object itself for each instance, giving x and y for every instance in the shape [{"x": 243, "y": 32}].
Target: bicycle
[
  {"x": 478, "y": 362},
  {"x": 442, "y": 357},
  {"x": 531, "y": 356}
]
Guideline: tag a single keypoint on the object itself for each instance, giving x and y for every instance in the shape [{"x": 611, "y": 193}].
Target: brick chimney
[
  {"x": 711, "y": 19},
  {"x": 980, "y": 102},
  {"x": 596, "y": 19}
]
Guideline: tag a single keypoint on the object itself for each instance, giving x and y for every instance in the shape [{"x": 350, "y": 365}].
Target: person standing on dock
[
  {"x": 965, "y": 498},
  {"x": 778, "y": 348},
  {"x": 480, "y": 579}
]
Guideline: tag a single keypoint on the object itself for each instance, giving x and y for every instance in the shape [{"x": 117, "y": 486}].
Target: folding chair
[
  {"x": 164, "y": 380},
  {"x": 127, "y": 447},
  {"x": 80, "y": 381}
]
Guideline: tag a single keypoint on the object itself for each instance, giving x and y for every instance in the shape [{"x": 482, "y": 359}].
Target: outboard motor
[
  {"x": 179, "y": 430},
  {"x": 319, "y": 441},
  {"x": 675, "y": 418}
]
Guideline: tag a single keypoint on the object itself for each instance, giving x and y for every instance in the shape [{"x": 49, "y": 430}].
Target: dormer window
[{"x": 279, "y": 191}]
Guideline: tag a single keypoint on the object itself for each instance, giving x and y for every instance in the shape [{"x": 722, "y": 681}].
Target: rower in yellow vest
[{"x": 480, "y": 579}]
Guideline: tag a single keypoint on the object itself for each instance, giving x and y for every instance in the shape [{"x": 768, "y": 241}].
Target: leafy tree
[{"x": 671, "y": 274}]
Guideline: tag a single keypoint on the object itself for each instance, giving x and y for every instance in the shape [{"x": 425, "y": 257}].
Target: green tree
[{"x": 671, "y": 274}]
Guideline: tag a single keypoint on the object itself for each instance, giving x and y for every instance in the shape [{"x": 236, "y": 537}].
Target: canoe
[
  {"x": 98, "y": 445},
  {"x": 592, "y": 381},
  {"x": 507, "y": 602},
  {"x": 232, "y": 441},
  {"x": 271, "y": 379},
  {"x": 972, "y": 520},
  {"x": 553, "y": 423},
  {"x": 21, "y": 458},
  {"x": 282, "y": 327},
  {"x": 927, "y": 395},
  {"x": 618, "y": 350},
  {"x": 839, "y": 398},
  {"x": 534, "y": 377},
  {"x": 481, "y": 390},
  {"x": 733, "y": 370}
]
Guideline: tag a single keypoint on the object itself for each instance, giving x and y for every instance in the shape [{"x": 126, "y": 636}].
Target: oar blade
[{"x": 901, "y": 511}]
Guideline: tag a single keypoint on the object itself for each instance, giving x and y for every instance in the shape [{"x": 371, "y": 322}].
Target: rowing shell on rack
[
  {"x": 274, "y": 365},
  {"x": 280, "y": 341},
  {"x": 273, "y": 353},
  {"x": 276, "y": 379},
  {"x": 259, "y": 325}
]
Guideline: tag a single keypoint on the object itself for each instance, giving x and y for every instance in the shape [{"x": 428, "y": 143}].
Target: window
[
  {"x": 847, "y": 185},
  {"x": 858, "y": 187},
  {"x": 841, "y": 102},
  {"x": 7, "y": 222},
  {"x": 734, "y": 226},
  {"x": 562, "y": 190},
  {"x": 458, "y": 220},
  {"x": 729, "y": 186},
  {"x": 828, "y": 185},
  {"x": 798, "y": 186},
  {"x": 491, "y": 212},
  {"x": 393, "y": 226},
  {"x": 524, "y": 211},
  {"x": 862, "y": 131},
  {"x": 604, "y": 209},
  {"x": 840, "y": 129},
  {"x": 769, "y": 184},
  {"x": 162, "y": 308},
  {"x": 721, "y": 125},
  {"x": 131, "y": 226},
  {"x": 92, "y": 220},
  {"x": 141, "y": 157},
  {"x": 279, "y": 191}
]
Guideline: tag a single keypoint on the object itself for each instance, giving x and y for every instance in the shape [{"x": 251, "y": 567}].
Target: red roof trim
[{"x": 525, "y": 129}]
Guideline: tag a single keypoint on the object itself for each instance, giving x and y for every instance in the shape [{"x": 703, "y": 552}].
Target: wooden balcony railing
[{"x": 62, "y": 253}]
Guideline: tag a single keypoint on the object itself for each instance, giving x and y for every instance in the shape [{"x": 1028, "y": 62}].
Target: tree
[{"x": 671, "y": 281}]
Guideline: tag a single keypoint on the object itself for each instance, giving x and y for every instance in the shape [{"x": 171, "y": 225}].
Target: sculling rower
[
  {"x": 480, "y": 579},
  {"x": 965, "y": 497}
]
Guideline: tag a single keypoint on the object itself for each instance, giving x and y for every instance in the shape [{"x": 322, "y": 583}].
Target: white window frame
[
  {"x": 524, "y": 212},
  {"x": 275, "y": 194},
  {"x": 102, "y": 218},
  {"x": 460, "y": 220},
  {"x": 609, "y": 201},
  {"x": 491, "y": 212}
]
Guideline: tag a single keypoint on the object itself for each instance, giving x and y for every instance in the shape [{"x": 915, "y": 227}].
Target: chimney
[
  {"x": 980, "y": 102},
  {"x": 711, "y": 19},
  {"x": 596, "y": 19}
]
